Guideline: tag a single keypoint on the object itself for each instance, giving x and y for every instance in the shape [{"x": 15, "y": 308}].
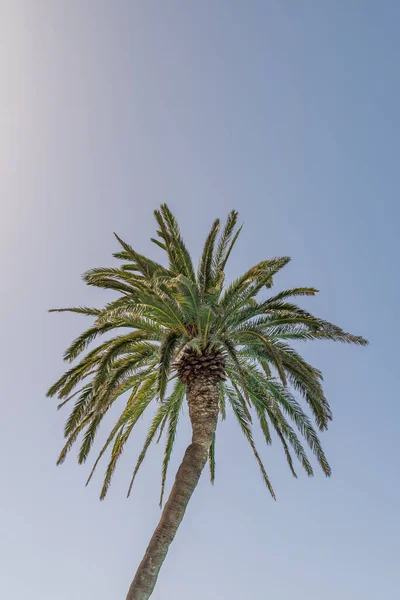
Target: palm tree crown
[{"x": 178, "y": 323}]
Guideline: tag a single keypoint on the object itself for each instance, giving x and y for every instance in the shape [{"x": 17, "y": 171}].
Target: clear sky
[{"x": 287, "y": 111}]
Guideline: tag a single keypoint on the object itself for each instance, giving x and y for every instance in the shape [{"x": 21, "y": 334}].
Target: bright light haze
[{"x": 286, "y": 111}]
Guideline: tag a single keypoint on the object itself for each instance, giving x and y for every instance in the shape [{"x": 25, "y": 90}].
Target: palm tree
[{"x": 188, "y": 335}]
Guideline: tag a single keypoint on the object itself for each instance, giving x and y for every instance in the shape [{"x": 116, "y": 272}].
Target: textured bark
[{"x": 202, "y": 395}]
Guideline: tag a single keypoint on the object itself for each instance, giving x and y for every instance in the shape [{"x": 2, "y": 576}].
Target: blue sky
[{"x": 286, "y": 111}]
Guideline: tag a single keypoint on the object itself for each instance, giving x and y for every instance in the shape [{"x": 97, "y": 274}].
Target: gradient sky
[{"x": 287, "y": 111}]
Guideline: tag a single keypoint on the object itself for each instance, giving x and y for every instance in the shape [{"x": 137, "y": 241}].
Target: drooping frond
[
  {"x": 221, "y": 401},
  {"x": 83, "y": 341},
  {"x": 137, "y": 404},
  {"x": 159, "y": 418},
  {"x": 81, "y": 408},
  {"x": 245, "y": 426},
  {"x": 211, "y": 460},
  {"x": 167, "y": 350},
  {"x": 243, "y": 336},
  {"x": 174, "y": 408}
]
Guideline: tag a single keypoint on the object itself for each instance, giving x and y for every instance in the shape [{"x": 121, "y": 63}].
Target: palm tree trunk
[{"x": 202, "y": 396}]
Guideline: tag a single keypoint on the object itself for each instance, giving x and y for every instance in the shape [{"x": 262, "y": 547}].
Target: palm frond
[
  {"x": 148, "y": 268},
  {"x": 245, "y": 426},
  {"x": 223, "y": 248},
  {"x": 83, "y": 310},
  {"x": 184, "y": 261},
  {"x": 173, "y": 416},
  {"x": 243, "y": 335},
  {"x": 205, "y": 276},
  {"x": 211, "y": 460},
  {"x": 230, "y": 248},
  {"x": 136, "y": 406},
  {"x": 221, "y": 401},
  {"x": 167, "y": 351},
  {"x": 82, "y": 342},
  {"x": 159, "y": 418}
]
